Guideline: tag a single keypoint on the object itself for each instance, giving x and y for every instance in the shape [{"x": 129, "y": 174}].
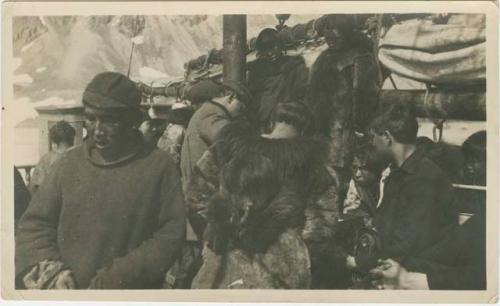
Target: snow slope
[{"x": 59, "y": 55}]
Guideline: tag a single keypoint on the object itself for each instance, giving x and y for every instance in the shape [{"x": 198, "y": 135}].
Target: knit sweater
[{"x": 115, "y": 225}]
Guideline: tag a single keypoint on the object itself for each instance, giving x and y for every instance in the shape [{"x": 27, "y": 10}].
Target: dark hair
[
  {"x": 398, "y": 119},
  {"x": 268, "y": 39},
  {"x": 475, "y": 146},
  {"x": 297, "y": 114},
  {"x": 251, "y": 176},
  {"x": 62, "y": 131},
  {"x": 346, "y": 24}
]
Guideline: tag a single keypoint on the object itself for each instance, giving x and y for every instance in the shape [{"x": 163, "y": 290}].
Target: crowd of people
[{"x": 295, "y": 179}]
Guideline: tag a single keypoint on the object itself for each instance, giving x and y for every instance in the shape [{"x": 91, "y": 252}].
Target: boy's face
[
  {"x": 107, "y": 129},
  {"x": 475, "y": 171},
  {"x": 360, "y": 172}
]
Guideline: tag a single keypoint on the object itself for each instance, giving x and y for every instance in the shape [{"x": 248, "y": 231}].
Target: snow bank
[
  {"x": 148, "y": 75},
  {"x": 26, "y": 47},
  {"x": 55, "y": 101},
  {"x": 17, "y": 62},
  {"x": 23, "y": 109},
  {"x": 22, "y": 79}
]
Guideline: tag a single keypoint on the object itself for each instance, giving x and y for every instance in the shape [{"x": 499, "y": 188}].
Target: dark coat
[
  {"x": 116, "y": 226},
  {"x": 458, "y": 261},
  {"x": 284, "y": 80},
  {"x": 343, "y": 93},
  {"x": 416, "y": 210}
]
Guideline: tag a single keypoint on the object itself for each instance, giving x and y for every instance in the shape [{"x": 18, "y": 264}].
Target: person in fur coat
[
  {"x": 254, "y": 239},
  {"x": 344, "y": 84},
  {"x": 274, "y": 77},
  {"x": 299, "y": 163}
]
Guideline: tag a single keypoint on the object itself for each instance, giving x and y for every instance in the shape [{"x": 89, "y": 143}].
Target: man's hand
[
  {"x": 391, "y": 275},
  {"x": 388, "y": 272},
  {"x": 351, "y": 262}
]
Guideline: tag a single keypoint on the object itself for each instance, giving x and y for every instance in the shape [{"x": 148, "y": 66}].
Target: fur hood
[
  {"x": 262, "y": 228},
  {"x": 293, "y": 158}
]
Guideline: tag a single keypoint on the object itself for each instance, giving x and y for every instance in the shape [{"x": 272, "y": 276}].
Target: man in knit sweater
[{"x": 110, "y": 215}]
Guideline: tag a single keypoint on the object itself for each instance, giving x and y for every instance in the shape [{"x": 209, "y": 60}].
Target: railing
[
  {"x": 469, "y": 187},
  {"x": 26, "y": 171}
]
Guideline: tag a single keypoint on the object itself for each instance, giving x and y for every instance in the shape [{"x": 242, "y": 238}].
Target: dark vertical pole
[
  {"x": 130, "y": 59},
  {"x": 234, "y": 28}
]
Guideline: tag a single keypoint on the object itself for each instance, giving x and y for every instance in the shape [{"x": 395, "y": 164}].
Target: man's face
[
  {"x": 106, "y": 128},
  {"x": 271, "y": 54},
  {"x": 382, "y": 144},
  {"x": 334, "y": 39}
]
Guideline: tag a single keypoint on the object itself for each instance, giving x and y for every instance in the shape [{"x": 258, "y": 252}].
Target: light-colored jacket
[{"x": 203, "y": 127}]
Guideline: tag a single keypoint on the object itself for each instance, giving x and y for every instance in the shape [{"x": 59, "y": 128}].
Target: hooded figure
[
  {"x": 344, "y": 86},
  {"x": 110, "y": 214},
  {"x": 274, "y": 77},
  {"x": 255, "y": 240},
  {"x": 298, "y": 161}
]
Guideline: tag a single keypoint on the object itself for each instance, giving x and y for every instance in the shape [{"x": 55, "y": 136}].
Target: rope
[
  {"x": 437, "y": 130},
  {"x": 376, "y": 43},
  {"x": 392, "y": 81}
]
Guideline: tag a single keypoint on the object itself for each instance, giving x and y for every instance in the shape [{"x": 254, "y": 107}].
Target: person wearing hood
[
  {"x": 274, "y": 77},
  {"x": 343, "y": 91},
  {"x": 97, "y": 221},
  {"x": 298, "y": 162},
  {"x": 256, "y": 241}
]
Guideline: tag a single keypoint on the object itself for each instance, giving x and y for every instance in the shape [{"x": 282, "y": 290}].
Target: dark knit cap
[
  {"x": 344, "y": 22},
  {"x": 267, "y": 39},
  {"x": 475, "y": 145},
  {"x": 242, "y": 92},
  {"x": 112, "y": 90}
]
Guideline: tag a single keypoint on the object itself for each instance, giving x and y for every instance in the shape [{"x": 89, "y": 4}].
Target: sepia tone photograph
[{"x": 324, "y": 151}]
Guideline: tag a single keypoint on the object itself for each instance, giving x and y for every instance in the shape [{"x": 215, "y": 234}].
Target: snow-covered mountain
[{"x": 55, "y": 57}]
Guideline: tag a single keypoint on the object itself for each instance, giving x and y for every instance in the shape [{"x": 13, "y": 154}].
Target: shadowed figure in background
[
  {"x": 22, "y": 196},
  {"x": 62, "y": 136},
  {"x": 213, "y": 112},
  {"x": 110, "y": 214},
  {"x": 343, "y": 90},
  {"x": 216, "y": 105},
  {"x": 274, "y": 77}
]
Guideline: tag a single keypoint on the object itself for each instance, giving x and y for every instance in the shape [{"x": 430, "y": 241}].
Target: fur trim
[
  {"x": 262, "y": 228},
  {"x": 292, "y": 158}
]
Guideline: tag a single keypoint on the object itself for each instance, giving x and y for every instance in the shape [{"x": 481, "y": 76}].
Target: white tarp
[{"x": 451, "y": 53}]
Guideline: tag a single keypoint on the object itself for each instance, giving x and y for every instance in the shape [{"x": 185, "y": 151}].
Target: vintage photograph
[{"x": 333, "y": 151}]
